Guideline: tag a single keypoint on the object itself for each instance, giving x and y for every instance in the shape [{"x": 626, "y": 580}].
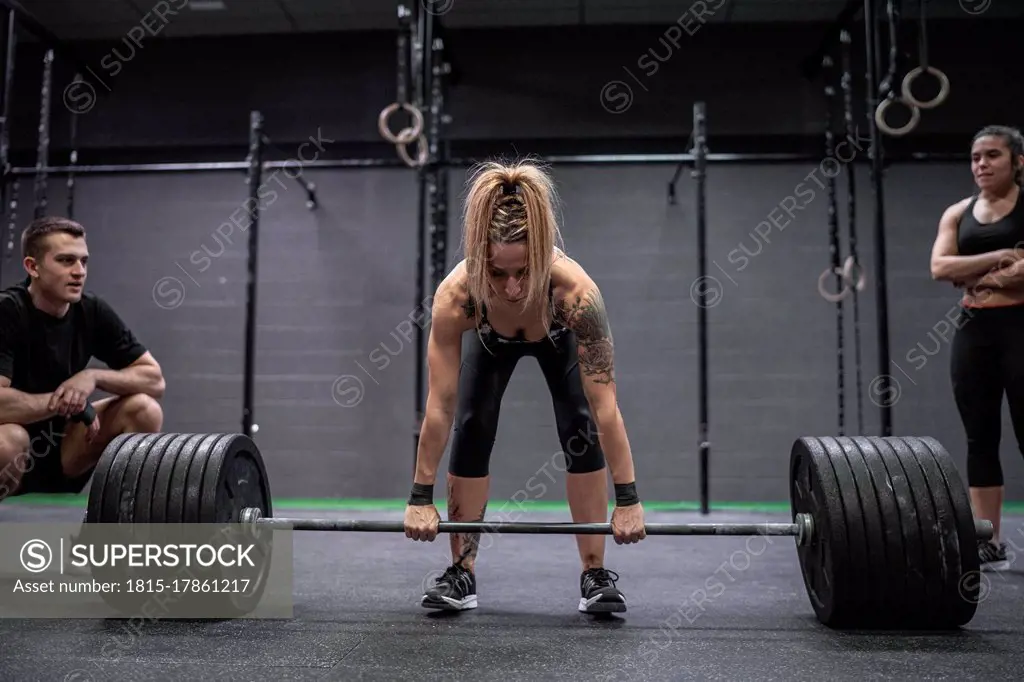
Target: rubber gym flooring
[{"x": 356, "y": 617}]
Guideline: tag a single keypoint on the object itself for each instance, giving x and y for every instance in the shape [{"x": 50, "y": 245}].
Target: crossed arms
[
  {"x": 1002, "y": 269},
  {"x": 142, "y": 376}
]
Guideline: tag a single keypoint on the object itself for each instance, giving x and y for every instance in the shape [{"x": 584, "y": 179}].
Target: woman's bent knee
[
  {"x": 580, "y": 443},
  {"x": 472, "y": 443}
]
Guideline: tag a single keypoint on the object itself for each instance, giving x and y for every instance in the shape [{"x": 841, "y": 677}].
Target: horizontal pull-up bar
[{"x": 591, "y": 159}]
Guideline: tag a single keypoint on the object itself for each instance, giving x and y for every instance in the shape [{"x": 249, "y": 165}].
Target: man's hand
[
  {"x": 628, "y": 524},
  {"x": 421, "y": 522},
  {"x": 71, "y": 396}
]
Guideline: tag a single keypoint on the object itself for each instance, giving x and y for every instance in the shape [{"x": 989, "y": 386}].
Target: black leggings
[
  {"x": 988, "y": 359},
  {"x": 483, "y": 378}
]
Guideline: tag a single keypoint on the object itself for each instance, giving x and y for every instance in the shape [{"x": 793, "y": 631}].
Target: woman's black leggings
[
  {"x": 988, "y": 360},
  {"x": 483, "y": 378}
]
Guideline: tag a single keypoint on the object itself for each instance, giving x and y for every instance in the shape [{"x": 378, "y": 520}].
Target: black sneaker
[
  {"x": 993, "y": 557},
  {"x": 454, "y": 590},
  {"x": 598, "y": 593}
]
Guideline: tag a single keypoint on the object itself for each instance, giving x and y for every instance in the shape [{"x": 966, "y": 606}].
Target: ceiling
[{"x": 112, "y": 19}]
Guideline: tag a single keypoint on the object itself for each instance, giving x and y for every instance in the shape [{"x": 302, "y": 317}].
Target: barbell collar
[
  {"x": 250, "y": 516},
  {"x": 805, "y": 529},
  {"x": 984, "y": 529}
]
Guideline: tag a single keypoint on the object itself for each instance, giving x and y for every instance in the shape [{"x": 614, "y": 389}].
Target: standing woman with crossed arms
[{"x": 980, "y": 247}]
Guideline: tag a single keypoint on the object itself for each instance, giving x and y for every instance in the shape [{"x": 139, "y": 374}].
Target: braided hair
[{"x": 507, "y": 204}]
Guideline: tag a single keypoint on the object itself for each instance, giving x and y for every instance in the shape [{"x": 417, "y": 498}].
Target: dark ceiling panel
[{"x": 111, "y": 19}]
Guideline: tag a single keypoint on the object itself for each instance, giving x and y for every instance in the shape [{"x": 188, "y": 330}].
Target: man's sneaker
[
  {"x": 598, "y": 593},
  {"x": 454, "y": 590},
  {"x": 993, "y": 557}
]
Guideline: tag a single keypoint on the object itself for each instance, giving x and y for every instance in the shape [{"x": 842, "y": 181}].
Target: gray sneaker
[
  {"x": 598, "y": 593},
  {"x": 992, "y": 556},
  {"x": 455, "y": 590}
]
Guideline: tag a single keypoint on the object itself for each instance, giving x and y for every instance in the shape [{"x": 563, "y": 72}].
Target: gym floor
[{"x": 356, "y": 617}]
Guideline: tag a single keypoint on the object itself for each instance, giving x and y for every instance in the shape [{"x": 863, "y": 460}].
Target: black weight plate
[
  {"x": 147, "y": 474},
  {"x": 135, "y": 448},
  {"x": 179, "y": 478},
  {"x": 877, "y": 603},
  {"x": 825, "y": 560},
  {"x": 969, "y": 582},
  {"x": 861, "y": 579},
  {"x": 878, "y": 600},
  {"x": 915, "y": 583},
  {"x": 131, "y": 449},
  {"x": 130, "y": 479},
  {"x": 193, "y": 490},
  {"x": 112, "y": 490},
  {"x": 945, "y": 529},
  {"x": 931, "y": 608},
  {"x": 891, "y": 588},
  {"x": 152, "y": 507},
  {"x": 93, "y": 510},
  {"x": 235, "y": 478},
  {"x": 184, "y": 445}
]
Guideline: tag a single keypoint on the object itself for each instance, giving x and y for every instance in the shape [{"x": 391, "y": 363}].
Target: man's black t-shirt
[{"x": 39, "y": 352}]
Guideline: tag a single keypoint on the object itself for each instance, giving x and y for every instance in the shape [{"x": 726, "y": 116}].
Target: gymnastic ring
[
  {"x": 847, "y": 273},
  {"x": 406, "y": 135},
  {"x": 915, "y": 117},
  {"x": 908, "y": 81},
  {"x": 422, "y": 152}
]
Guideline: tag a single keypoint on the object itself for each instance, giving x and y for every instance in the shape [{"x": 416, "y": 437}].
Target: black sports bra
[
  {"x": 487, "y": 331},
  {"x": 974, "y": 237}
]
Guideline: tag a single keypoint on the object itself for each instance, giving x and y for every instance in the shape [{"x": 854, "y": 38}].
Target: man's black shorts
[{"x": 41, "y": 465}]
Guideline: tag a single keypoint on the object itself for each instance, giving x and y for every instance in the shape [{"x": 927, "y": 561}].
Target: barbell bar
[
  {"x": 801, "y": 528},
  {"x": 885, "y": 532}
]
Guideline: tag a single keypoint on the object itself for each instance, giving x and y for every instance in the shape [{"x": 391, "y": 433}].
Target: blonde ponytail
[{"x": 507, "y": 204}]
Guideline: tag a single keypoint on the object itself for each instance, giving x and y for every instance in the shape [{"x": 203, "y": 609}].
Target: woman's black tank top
[{"x": 1007, "y": 233}]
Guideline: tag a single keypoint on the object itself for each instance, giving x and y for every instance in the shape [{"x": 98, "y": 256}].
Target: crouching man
[{"x": 51, "y": 435}]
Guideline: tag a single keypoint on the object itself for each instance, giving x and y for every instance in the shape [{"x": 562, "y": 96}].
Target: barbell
[{"x": 884, "y": 531}]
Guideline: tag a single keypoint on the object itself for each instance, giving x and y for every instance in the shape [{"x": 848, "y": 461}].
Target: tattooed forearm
[{"x": 587, "y": 317}]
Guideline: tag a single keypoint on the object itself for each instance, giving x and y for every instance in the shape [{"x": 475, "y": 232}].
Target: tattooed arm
[{"x": 582, "y": 310}]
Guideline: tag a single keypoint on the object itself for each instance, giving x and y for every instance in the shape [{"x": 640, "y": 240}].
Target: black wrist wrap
[
  {"x": 421, "y": 494},
  {"x": 625, "y": 494},
  {"x": 86, "y": 416}
]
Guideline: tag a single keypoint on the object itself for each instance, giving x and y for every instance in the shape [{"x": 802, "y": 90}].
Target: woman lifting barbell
[
  {"x": 522, "y": 296},
  {"x": 980, "y": 247}
]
